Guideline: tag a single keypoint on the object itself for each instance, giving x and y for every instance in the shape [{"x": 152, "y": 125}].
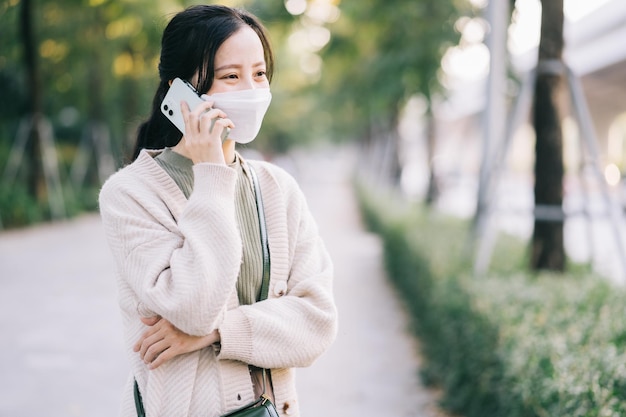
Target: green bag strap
[
  {"x": 138, "y": 402},
  {"x": 265, "y": 284}
]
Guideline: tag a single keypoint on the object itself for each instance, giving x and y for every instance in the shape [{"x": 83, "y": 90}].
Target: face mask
[{"x": 246, "y": 109}]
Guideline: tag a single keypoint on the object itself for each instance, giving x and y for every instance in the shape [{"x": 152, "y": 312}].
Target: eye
[
  {"x": 261, "y": 74},
  {"x": 231, "y": 76}
]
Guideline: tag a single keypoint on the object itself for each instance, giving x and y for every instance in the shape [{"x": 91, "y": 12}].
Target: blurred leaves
[
  {"x": 92, "y": 55},
  {"x": 382, "y": 53},
  {"x": 341, "y": 66},
  {"x": 338, "y": 63}
]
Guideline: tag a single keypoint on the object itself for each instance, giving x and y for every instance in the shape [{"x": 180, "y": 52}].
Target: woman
[{"x": 182, "y": 224}]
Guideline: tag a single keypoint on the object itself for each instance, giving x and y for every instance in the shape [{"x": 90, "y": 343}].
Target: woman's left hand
[{"x": 163, "y": 341}]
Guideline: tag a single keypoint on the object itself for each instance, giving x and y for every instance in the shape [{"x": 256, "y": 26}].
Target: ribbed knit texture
[
  {"x": 250, "y": 277},
  {"x": 180, "y": 258},
  {"x": 179, "y": 168}
]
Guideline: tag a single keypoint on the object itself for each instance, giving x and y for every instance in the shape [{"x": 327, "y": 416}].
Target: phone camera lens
[{"x": 171, "y": 112}]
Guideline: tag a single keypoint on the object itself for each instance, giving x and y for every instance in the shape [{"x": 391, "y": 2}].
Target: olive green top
[{"x": 251, "y": 273}]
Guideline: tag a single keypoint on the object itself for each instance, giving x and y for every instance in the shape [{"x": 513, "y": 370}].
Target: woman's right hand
[
  {"x": 162, "y": 341},
  {"x": 204, "y": 127}
]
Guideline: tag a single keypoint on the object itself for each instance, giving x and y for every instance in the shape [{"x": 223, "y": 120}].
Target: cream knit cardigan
[{"x": 180, "y": 258}]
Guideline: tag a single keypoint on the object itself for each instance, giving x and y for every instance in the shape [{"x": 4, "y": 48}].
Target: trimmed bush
[{"x": 510, "y": 344}]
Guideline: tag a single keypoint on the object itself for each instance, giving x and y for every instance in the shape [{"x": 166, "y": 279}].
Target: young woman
[{"x": 183, "y": 227}]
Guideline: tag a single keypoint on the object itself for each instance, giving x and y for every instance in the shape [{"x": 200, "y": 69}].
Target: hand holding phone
[{"x": 179, "y": 91}]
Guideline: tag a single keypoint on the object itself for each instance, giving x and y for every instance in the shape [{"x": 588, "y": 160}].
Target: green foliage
[
  {"x": 96, "y": 57},
  {"x": 511, "y": 344},
  {"x": 18, "y": 207},
  {"x": 98, "y": 64},
  {"x": 380, "y": 55}
]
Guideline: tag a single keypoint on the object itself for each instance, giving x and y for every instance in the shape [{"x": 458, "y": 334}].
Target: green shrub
[
  {"x": 18, "y": 207},
  {"x": 510, "y": 344}
]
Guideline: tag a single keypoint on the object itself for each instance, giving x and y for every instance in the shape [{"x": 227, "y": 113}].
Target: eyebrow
[{"x": 236, "y": 66}]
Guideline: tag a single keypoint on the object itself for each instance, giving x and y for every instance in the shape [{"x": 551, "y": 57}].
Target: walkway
[{"x": 61, "y": 353}]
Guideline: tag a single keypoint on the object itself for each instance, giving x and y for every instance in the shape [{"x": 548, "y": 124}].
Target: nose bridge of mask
[{"x": 254, "y": 94}]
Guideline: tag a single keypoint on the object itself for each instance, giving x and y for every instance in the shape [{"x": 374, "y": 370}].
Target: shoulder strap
[
  {"x": 138, "y": 402},
  {"x": 265, "y": 285}
]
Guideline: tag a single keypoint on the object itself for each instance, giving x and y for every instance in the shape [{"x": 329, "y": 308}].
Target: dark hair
[{"x": 189, "y": 44}]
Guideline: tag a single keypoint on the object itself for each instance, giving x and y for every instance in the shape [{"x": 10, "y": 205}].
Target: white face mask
[{"x": 246, "y": 109}]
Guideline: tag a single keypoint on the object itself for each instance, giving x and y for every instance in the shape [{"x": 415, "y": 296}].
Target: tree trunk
[
  {"x": 548, "y": 250},
  {"x": 35, "y": 180},
  {"x": 95, "y": 81},
  {"x": 432, "y": 193}
]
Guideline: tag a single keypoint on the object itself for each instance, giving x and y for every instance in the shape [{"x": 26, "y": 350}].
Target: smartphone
[{"x": 180, "y": 90}]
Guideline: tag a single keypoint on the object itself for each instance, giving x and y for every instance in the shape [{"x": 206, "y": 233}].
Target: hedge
[{"x": 512, "y": 343}]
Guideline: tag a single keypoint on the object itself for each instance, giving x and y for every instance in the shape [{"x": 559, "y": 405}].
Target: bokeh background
[{"x": 483, "y": 141}]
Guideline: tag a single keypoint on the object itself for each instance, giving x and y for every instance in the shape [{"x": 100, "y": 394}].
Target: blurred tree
[
  {"x": 86, "y": 66},
  {"x": 35, "y": 181},
  {"x": 105, "y": 64},
  {"x": 382, "y": 54},
  {"x": 93, "y": 61},
  {"x": 548, "y": 250},
  {"x": 98, "y": 67},
  {"x": 286, "y": 120}
]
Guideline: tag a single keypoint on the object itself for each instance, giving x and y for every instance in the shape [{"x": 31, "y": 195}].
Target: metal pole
[
  {"x": 495, "y": 109},
  {"x": 519, "y": 113},
  {"x": 589, "y": 138},
  {"x": 494, "y": 115}
]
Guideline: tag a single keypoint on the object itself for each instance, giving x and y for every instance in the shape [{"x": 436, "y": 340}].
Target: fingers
[
  {"x": 148, "y": 343},
  {"x": 155, "y": 350},
  {"x": 202, "y": 108},
  {"x": 154, "y": 353},
  {"x": 150, "y": 321},
  {"x": 162, "y": 341},
  {"x": 201, "y": 122},
  {"x": 158, "y": 339},
  {"x": 206, "y": 129},
  {"x": 213, "y": 123},
  {"x": 221, "y": 126},
  {"x": 165, "y": 355},
  {"x": 138, "y": 345}
]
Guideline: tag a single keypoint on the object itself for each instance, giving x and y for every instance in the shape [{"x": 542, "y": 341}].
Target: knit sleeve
[
  {"x": 293, "y": 327},
  {"x": 182, "y": 270}
]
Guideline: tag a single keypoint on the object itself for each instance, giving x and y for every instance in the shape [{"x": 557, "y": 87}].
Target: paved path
[{"x": 60, "y": 347}]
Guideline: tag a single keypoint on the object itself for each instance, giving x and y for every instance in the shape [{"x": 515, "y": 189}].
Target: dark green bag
[{"x": 262, "y": 407}]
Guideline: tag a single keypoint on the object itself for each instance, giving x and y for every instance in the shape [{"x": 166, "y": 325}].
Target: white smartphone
[{"x": 180, "y": 90}]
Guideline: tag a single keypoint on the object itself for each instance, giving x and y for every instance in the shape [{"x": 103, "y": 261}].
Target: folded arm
[{"x": 183, "y": 270}]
